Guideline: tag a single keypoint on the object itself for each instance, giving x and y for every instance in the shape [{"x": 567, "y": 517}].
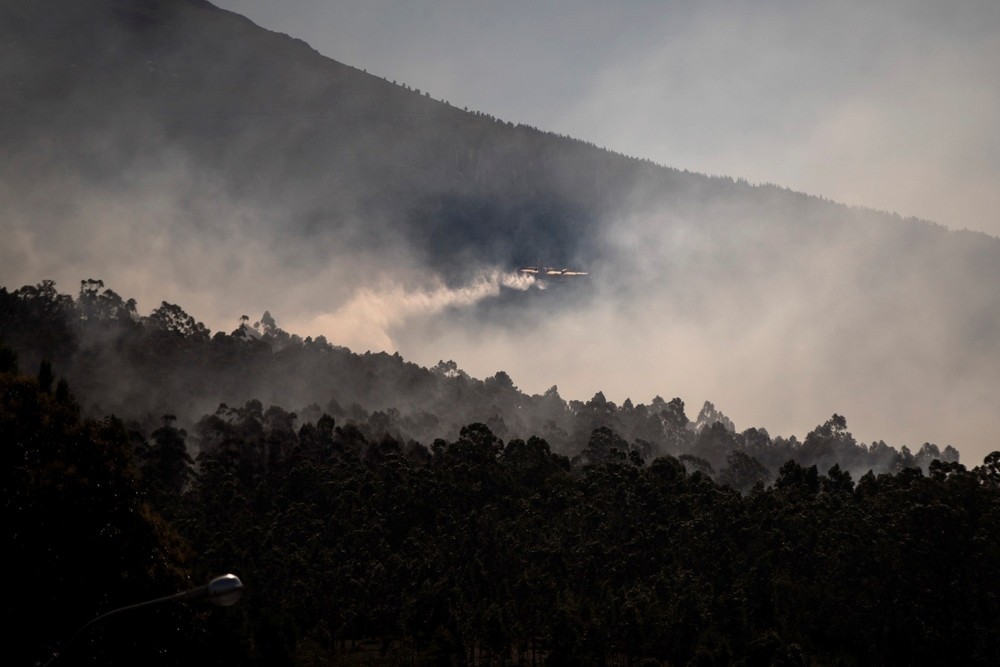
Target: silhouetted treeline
[
  {"x": 473, "y": 550},
  {"x": 141, "y": 367}
]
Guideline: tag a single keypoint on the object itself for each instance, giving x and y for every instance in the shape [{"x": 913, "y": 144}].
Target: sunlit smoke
[
  {"x": 366, "y": 320},
  {"x": 518, "y": 281}
]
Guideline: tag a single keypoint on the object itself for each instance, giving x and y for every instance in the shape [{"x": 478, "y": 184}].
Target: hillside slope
[{"x": 182, "y": 151}]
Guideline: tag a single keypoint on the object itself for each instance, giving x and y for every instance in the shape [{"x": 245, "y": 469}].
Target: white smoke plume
[{"x": 366, "y": 320}]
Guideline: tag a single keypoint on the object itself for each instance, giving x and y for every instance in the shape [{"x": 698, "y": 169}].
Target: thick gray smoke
[
  {"x": 672, "y": 307},
  {"x": 780, "y": 309},
  {"x": 776, "y": 334}
]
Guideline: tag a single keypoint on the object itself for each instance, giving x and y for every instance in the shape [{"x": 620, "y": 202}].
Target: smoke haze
[
  {"x": 773, "y": 336},
  {"x": 384, "y": 220}
]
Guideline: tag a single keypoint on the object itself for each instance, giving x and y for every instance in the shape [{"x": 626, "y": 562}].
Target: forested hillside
[
  {"x": 142, "y": 367},
  {"x": 182, "y": 151},
  {"x": 473, "y": 550}
]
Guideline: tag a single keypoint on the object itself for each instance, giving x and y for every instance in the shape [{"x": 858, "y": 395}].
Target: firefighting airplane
[{"x": 540, "y": 271}]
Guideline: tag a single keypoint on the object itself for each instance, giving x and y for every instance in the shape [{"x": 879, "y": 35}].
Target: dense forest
[
  {"x": 385, "y": 512},
  {"x": 361, "y": 544},
  {"x": 142, "y": 367}
]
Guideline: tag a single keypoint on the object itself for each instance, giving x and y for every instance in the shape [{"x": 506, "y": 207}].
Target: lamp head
[{"x": 225, "y": 590}]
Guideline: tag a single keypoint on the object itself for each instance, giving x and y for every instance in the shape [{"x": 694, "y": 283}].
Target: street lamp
[{"x": 222, "y": 591}]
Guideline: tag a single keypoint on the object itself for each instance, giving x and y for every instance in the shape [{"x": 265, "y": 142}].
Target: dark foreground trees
[
  {"x": 478, "y": 551},
  {"x": 81, "y": 538},
  {"x": 660, "y": 541}
]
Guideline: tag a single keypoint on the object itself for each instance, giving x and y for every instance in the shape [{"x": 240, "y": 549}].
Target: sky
[{"x": 887, "y": 105}]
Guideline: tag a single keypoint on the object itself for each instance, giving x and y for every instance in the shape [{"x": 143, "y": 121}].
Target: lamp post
[{"x": 222, "y": 591}]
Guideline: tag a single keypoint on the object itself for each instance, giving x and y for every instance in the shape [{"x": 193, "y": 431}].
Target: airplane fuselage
[{"x": 549, "y": 272}]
